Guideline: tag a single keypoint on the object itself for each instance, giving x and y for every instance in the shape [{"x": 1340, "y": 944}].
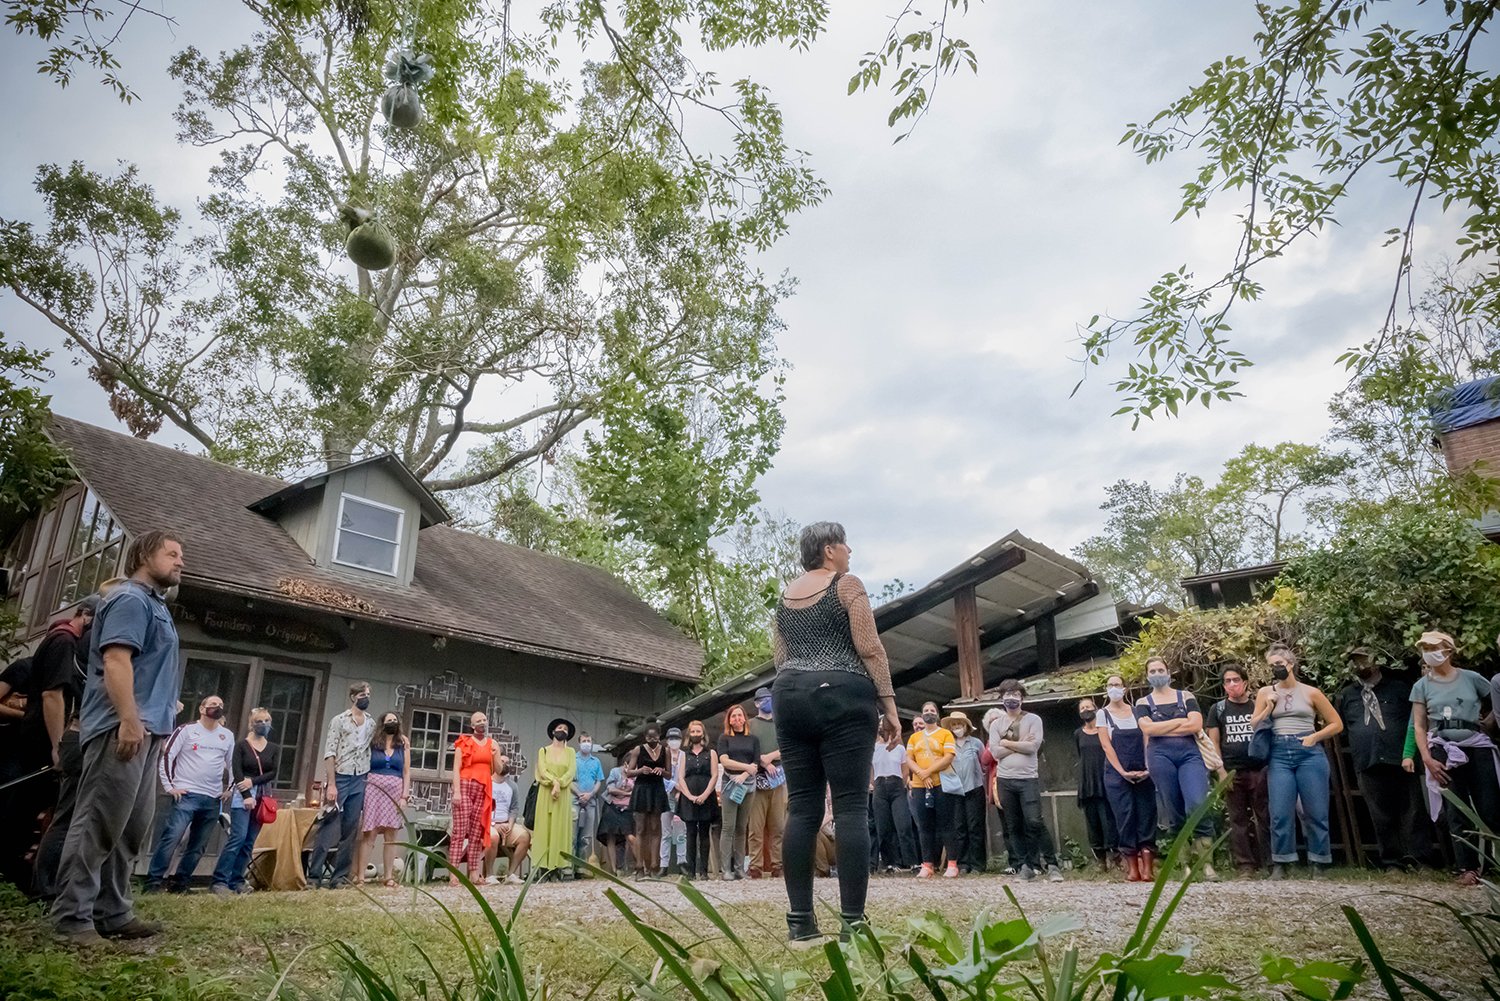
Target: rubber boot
[
  {"x": 1132, "y": 868},
  {"x": 802, "y": 928},
  {"x": 1205, "y": 855}
]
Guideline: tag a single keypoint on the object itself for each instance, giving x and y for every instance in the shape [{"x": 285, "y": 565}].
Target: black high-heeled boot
[{"x": 802, "y": 926}]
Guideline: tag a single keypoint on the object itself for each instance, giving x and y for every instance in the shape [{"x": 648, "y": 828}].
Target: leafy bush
[
  {"x": 1381, "y": 582},
  {"x": 1200, "y": 642}
]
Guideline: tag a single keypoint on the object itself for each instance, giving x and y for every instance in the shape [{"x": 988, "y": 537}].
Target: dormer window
[{"x": 369, "y": 535}]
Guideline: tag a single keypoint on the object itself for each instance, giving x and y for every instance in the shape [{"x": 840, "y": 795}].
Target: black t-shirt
[
  {"x": 1235, "y": 732},
  {"x": 18, "y": 676},
  {"x": 742, "y": 747},
  {"x": 54, "y": 667}
]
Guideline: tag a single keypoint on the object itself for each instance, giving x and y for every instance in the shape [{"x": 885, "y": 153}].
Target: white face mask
[
  {"x": 586, "y": 746},
  {"x": 960, "y": 731},
  {"x": 1116, "y": 693},
  {"x": 674, "y": 744},
  {"x": 1434, "y": 658}
]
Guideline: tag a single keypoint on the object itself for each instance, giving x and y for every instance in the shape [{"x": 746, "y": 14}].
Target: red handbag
[{"x": 266, "y": 805}]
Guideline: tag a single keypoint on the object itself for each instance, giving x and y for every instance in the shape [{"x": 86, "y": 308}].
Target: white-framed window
[{"x": 369, "y": 535}]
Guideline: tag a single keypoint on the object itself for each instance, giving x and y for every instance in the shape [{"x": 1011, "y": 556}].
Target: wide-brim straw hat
[{"x": 956, "y": 718}]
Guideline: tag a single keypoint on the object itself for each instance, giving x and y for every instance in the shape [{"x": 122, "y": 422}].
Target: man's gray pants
[
  {"x": 586, "y": 823},
  {"x": 116, "y": 802}
]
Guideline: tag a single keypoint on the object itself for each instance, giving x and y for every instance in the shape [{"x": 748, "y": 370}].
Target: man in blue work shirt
[
  {"x": 588, "y": 784},
  {"x": 129, "y": 705}
]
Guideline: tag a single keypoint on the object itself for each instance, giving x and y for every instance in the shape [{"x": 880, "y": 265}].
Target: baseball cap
[{"x": 762, "y": 693}]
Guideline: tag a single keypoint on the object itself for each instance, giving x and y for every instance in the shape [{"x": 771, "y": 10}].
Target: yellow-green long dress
[{"x": 554, "y": 817}]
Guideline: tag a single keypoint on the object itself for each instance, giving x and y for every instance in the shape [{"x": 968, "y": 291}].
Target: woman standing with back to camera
[{"x": 833, "y": 683}]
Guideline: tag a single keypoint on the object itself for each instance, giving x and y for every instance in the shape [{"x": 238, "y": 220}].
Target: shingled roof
[{"x": 465, "y": 586}]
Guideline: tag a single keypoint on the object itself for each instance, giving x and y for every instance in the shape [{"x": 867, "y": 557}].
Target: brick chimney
[{"x": 1467, "y": 422}]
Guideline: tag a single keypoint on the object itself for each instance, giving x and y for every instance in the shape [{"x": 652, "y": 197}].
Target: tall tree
[
  {"x": 1278, "y": 487},
  {"x": 1335, "y": 90},
  {"x": 558, "y": 241}
]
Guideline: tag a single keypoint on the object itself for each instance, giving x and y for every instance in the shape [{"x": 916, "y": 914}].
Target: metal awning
[{"x": 1018, "y": 583}]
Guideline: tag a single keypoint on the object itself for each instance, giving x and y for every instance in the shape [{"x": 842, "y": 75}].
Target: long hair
[
  {"x": 145, "y": 546},
  {"x": 377, "y": 739},
  {"x": 730, "y": 712},
  {"x": 689, "y": 729}
]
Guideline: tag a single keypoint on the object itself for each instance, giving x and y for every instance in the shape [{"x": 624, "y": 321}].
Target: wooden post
[
  {"x": 966, "y": 626},
  {"x": 1046, "y": 645}
]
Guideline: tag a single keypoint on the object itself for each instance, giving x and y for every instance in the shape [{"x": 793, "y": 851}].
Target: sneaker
[
  {"x": 890, "y": 870},
  {"x": 132, "y": 929},
  {"x": 513, "y": 879},
  {"x": 82, "y": 938},
  {"x": 1278, "y": 871},
  {"x": 926, "y": 872},
  {"x": 1469, "y": 877},
  {"x": 220, "y": 890},
  {"x": 916, "y": 870},
  {"x": 1054, "y": 874},
  {"x": 1009, "y": 870},
  {"x": 952, "y": 871},
  {"x": 1027, "y": 873}
]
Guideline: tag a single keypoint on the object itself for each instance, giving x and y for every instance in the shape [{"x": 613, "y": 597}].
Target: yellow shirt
[{"x": 925, "y": 748}]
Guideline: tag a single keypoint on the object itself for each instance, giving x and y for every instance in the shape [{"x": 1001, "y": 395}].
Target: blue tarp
[{"x": 1464, "y": 406}]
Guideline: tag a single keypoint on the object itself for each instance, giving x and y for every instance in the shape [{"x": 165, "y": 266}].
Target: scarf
[{"x": 1372, "y": 705}]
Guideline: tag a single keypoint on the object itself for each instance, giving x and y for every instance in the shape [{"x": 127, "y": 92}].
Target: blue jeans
[
  {"x": 1181, "y": 778},
  {"x": 1134, "y": 807},
  {"x": 339, "y": 830},
  {"x": 238, "y": 847},
  {"x": 1298, "y": 773},
  {"x": 194, "y": 813}
]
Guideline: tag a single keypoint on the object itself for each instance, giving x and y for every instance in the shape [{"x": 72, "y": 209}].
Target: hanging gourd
[
  {"x": 402, "y": 103},
  {"x": 370, "y": 244}
]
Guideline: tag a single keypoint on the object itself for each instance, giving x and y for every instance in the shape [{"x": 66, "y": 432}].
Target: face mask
[
  {"x": 214, "y": 712},
  {"x": 1085, "y": 715},
  {"x": 362, "y": 703},
  {"x": 764, "y": 705},
  {"x": 674, "y": 744},
  {"x": 1280, "y": 672},
  {"x": 1234, "y": 689},
  {"x": 480, "y": 729},
  {"x": 1011, "y": 705},
  {"x": 930, "y": 718},
  {"x": 391, "y": 726},
  {"x": 960, "y": 731},
  {"x": 696, "y": 738},
  {"x": 1115, "y": 693},
  {"x": 560, "y": 735},
  {"x": 653, "y": 740},
  {"x": 1434, "y": 658},
  {"x": 1159, "y": 680},
  {"x": 586, "y": 746},
  {"x": 263, "y": 729}
]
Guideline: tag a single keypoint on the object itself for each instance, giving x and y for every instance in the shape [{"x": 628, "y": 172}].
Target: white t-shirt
[
  {"x": 1103, "y": 717},
  {"x": 888, "y": 760},
  {"x": 197, "y": 759},
  {"x": 501, "y": 791}
]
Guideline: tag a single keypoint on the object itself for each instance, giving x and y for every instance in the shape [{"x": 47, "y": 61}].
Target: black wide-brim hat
[{"x": 567, "y": 723}]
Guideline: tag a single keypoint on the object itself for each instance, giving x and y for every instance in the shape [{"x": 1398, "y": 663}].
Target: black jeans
[
  {"x": 893, "y": 823},
  {"x": 968, "y": 826},
  {"x": 697, "y": 847},
  {"x": 1387, "y": 793},
  {"x": 1100, "y": 822},
  {"x": 825, "y": 725},
  {"x": 935, "y": 827},
  {"x": 1475, "y": 783},
  {"x": 1027, "y": 839},
  {"x": 49, "y": 853}
]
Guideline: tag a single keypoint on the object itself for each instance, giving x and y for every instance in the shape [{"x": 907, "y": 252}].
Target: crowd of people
[{"x": 816, "y": 780}]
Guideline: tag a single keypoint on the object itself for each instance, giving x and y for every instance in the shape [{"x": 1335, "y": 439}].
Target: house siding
[{"x": 1477, "y": 443}]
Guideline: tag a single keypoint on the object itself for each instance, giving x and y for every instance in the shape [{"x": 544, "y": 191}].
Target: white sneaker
[
  {"x": 1054, "y": 874},
  {"x": 514, "y": 879}
]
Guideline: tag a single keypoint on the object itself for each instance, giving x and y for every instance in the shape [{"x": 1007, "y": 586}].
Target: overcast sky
[{"x": 933, "y": 338}]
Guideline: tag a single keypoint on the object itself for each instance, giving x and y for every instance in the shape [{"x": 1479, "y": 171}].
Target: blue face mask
[
  {"x": 1159, "y": 680},
  {"x": 764, "y": 705},
  {"x": 263, "y": 729}
]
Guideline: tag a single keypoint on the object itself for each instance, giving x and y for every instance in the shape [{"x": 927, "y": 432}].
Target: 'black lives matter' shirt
[{"x": 1235, "y": 732}]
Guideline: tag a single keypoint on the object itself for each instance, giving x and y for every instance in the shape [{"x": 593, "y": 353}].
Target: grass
[{"x": 571, "y": 935}]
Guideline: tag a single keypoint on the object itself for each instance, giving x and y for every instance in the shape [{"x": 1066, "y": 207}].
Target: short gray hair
[{"x": 813, "y": 540}]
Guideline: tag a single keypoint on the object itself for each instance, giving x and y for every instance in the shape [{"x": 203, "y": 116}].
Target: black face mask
[
  {"x": 214, "y": 712},
  {"x": 929, "y": 718},
  {"x": 1085, "y": 716},
  {"x": 560, "y": 735},
  {"x": 1280, "y": 672},
  {"x": 362, "y": 703},
  {"x": 392, "y": 726}
]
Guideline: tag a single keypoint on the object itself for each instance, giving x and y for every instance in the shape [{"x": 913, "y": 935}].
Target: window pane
[
  {"x": 107, "y": 529},
  {"x": 109, "y": 562},
  {"x": 28, "y": 596},
  {"x": 68, "y": 517},
  {"x": 289, "y": 698},
  {"x": 223, "y": 678},
  {"x": 83, "y": 531},
  {"x": 70, "y": 586},
  {"x": 366, "y": 519},
  {"x": 43, "y": 540},
  {"x": 372, "y": 554}
]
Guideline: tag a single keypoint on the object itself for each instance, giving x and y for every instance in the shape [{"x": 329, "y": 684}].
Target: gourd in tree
[
  {"x": 402, "y": 104},
  {"x": 370, "y": 244}
]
